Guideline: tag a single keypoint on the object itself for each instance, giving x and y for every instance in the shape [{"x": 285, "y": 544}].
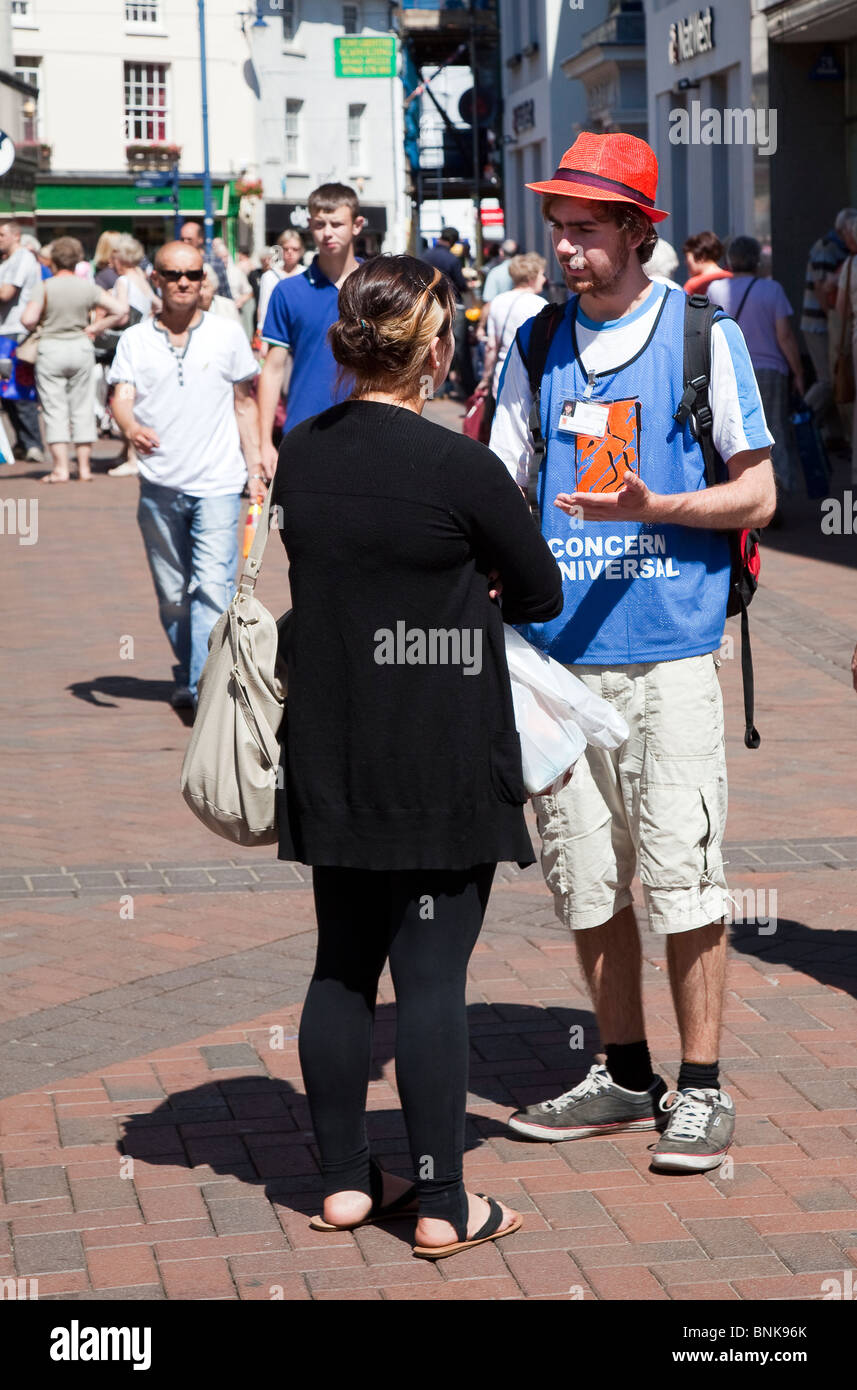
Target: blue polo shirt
[{"x": 300, "y": 311}]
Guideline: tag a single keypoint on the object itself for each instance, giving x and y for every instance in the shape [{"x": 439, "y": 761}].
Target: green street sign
[{"x": 370, "y": 57}]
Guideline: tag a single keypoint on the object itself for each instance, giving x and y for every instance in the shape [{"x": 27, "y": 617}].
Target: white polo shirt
[{"x": 186, "y": 396}]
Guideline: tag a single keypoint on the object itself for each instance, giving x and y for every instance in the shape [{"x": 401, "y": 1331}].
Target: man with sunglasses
[{"x": 183, "y": 399}]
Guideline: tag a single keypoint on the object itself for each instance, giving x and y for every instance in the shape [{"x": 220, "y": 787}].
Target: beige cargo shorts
[{"x": 656, "y": 806}]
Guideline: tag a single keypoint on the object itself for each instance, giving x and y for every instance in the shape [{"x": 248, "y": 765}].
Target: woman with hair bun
[{"x": 402, "y": 782}]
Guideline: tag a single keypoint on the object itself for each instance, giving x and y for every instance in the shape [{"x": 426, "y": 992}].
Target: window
[
  {"x": 355, "y": 135},
  {"x": 350, "y": 18},
  {"x": 290, "y": 20},
  {"x": 142, "y": 11},
  {"x": 293, "y": 131},
  {"x": 28, "y": 70},
  {"x": 146, "y": 112}
]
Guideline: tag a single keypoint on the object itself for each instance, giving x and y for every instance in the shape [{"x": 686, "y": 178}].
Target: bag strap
[
  {"x": 699, "y": 315},
  {"x": 545, "y": 325},
  {"x": 737, "y": 313},
  {"x": 253, "y": 563}
]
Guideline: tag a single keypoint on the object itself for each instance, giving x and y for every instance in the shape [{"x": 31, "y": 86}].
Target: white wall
[
  {"x": 558, "y": 104},
  {"x": 82, "y": 80},
  {"x": 303, "y": 70}
]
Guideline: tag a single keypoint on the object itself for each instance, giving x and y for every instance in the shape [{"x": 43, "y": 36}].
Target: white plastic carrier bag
[{"x": 556, "y": 715}]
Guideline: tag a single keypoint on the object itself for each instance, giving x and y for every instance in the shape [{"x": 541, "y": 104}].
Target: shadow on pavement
[
  {"x": 122, "y": 688},
  {"x": 257, "y": 1128},
  {"x": 828, "y": 956}
]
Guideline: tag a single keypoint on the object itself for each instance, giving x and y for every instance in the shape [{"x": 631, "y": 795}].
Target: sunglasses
[{"x": 173, "y": 276}]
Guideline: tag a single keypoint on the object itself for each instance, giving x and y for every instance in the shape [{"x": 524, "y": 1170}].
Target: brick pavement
[{"x": 154, "y": 1139}]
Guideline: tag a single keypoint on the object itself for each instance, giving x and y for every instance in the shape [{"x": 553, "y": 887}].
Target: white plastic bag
[{"x": 556, "y": 715}]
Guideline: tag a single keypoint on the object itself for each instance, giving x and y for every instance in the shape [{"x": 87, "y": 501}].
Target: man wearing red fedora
[{"x": 643, "y": 549}]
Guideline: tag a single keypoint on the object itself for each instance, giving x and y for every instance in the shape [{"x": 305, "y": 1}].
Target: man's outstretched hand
[{"x": 633, "y": 502}]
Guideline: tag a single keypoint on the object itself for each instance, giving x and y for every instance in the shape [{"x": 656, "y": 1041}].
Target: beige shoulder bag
[{"x": 229, "y": 775}]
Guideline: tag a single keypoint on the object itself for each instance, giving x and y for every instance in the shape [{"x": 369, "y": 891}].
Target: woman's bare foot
[
  {"x": 54, "y": 477},
  {"x": 347, "y": 1208},
  {"x": 432, "y": 1232}
]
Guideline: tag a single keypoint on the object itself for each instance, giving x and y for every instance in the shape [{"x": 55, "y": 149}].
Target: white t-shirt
[
  {"x": 508, "y": 311},
  {"x": 20, "y": 269},
  {"x": 186, "y": 396},
  {"x": 605, "y": 346},
  {"x": 268, "y": 280},
  {"x": 137, "y": 297}
]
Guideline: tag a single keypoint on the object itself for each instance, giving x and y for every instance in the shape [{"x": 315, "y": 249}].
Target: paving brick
[
  {"x": 542, "y": 1272},
  {"x": 231, "y": 1055},
  {"x": 236, "y": 1217},
  {"x": 31, "y": 1184},
  {"x": 122, "y": 1266},
  {"x": 725, "y": 1237},
  {"x": 572, "y": 1209},
  {"x": 172, "y": 1204},
  {"x": 47, "y": 1254},
  {"x": 74, "y": 1132},
  {"x": 634, "y": 1282},
  {"x": 205, "y": 1278},
  {"x": 99, "y": 1194},
  {"x": 806, "y": 1252}
]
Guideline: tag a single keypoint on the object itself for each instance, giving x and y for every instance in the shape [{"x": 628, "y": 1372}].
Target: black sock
[
  {"x": 630, "y": 1065},
  {"x": 699, "y": 1075}
]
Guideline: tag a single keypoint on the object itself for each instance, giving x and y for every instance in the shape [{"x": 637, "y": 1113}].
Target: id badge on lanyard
[{"x": 606, "y": 436}]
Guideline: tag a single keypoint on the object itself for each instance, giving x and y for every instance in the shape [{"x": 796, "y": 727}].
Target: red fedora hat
[{"x": 608, "y": 169}]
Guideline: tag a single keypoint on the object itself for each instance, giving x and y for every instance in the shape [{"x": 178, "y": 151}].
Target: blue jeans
[{"x": 192, "y": 548}]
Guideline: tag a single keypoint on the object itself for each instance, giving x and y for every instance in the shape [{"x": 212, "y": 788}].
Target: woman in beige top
[{"x": 66, "y": 357}]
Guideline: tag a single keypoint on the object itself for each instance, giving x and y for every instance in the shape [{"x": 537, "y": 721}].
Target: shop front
[
  {"x": 812, "y": 74},
  {"x": 282, "y": 216},
  {"x": 85, "y": 208},
  {"x": 708, "y": 118}
]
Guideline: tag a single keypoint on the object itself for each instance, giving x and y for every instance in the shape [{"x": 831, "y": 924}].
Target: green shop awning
[{"x": 67, "y": 197}]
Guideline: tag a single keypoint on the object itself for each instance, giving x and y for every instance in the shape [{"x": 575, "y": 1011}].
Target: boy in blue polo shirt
[{"x": 300, "y": 312}]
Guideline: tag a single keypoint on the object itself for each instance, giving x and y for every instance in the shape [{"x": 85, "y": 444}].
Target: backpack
[{"x": 745, "y": 561}]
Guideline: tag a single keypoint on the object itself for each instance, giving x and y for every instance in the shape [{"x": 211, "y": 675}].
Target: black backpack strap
[
  {"x": 545, "y": 324},
  {"x": 699, "y": 315}
]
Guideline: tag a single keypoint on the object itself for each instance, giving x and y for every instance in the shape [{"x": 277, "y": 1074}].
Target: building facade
[
  {"x": 314, "y": 126},
  {"x": 18, "y": 158},
  {"x": 708, "y": 119},
  {"x": 811, "y": 52},
  {"x": 121, "y": 94},
  {"x": 543, "y": 110}
]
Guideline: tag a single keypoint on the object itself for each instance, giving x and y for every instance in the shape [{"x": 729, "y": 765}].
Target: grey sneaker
[
  {"x": 35, "y": 455},
  {"x": 596, "y": 1106},
  {"x": 699, "y": 1131}
]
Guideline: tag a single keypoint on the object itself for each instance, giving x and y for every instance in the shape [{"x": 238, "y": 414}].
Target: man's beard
[{"x": 601, "y": 285}]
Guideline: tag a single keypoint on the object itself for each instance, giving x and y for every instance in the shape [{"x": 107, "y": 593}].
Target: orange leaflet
[{"x": 602, "y": 463}]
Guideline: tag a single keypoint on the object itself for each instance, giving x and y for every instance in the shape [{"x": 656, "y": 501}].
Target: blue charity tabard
[{"x": 634, "y": 592}]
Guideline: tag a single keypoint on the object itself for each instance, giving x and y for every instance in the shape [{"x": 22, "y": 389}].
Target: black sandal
[
  {"x": 377, "y": 1211},
  {"x": 490, "y": 1231}
]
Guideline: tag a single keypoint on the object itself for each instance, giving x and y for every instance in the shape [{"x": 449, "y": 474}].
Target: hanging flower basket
[
  {"x": 160, "y": 157},
  {"x": 248, "y": 188}
]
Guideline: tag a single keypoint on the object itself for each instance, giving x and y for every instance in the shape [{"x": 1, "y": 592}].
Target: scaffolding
[{"x": 468, "y": 162}]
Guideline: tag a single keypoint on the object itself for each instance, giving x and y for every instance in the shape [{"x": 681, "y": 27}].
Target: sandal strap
[{"x": 495, "y": 1218}]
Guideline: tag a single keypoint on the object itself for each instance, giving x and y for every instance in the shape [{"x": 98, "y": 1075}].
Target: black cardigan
[{"x": 393, "y": 757}]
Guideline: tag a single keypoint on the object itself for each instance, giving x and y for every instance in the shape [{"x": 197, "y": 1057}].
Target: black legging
[{"x": 427, "y": 922}]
